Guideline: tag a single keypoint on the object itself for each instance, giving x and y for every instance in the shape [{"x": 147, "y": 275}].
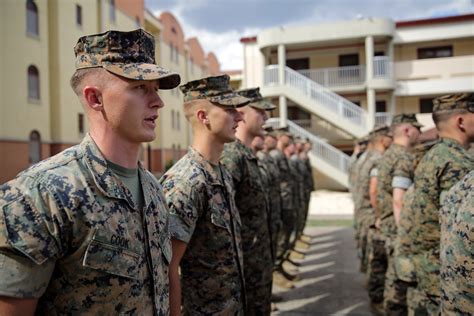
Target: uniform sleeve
[
  {"x": 231, "y": 159},
  {"x": 28, "y": 246},
  {"x": 403, "y": 173},
  {"x": 184, "y": 205}
]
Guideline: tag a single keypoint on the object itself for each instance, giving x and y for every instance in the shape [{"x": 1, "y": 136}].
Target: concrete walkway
[{"x": 331, "y": 283}]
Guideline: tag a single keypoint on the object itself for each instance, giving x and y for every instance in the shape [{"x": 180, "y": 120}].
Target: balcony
[{"x": 349, "y": 77}]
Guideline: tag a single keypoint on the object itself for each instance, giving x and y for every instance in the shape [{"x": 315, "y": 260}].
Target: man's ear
[
  {"x": 93, "y": 98},
  {"x": 460, "y": 123},
  {"x": 202, "y": 116}
]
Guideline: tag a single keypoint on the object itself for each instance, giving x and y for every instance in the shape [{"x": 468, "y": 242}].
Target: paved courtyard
[{"x": 331, "y": 283}]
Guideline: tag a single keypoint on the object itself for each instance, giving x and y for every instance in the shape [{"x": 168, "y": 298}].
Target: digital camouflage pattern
[
  {"x": 376, "y": 265},
  {"x": 444, "y": 165},
  {"x": 257, "y": 100},
  {"x": 395, "y": 167},
  {"x": 287, "y": 204},
  {"x": 454, "y": 102},
  {"x": 406, "y": 118},
  {"x": 215, "y": 89},
  {"x": 457, "y": 251},
  {"x": 71, "y": 235},
  {"x": 203, "y": 214},
  {"x": 271, "y": 173},
  {"x": 127, "y": 54},
  {"x": 251, "y": 204},
  {"x": 297, "y": 194},
  {"x": 365, "y": 213},
  {"x": 395, "y": 170}
]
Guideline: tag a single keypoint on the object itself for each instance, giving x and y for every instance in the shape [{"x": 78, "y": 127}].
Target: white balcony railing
[
  {"x": 382, "y": 67},
  {"x": 320, "y": 149},
  {"x": 383, "y": 118},
  {"x": 336, "y": 77},
  {"x": 324, "y": 97}
]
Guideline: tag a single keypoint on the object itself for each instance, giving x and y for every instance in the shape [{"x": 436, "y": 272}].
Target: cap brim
[
  {"x": 263, "y": 105},
  {"x": 167, "y": 79},
  {"x": 230, "y": 99}
]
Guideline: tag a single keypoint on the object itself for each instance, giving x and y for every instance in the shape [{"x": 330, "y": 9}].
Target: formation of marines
[
  {"x": 414, "y": 212},
  {"x": 91, "y": 231}
]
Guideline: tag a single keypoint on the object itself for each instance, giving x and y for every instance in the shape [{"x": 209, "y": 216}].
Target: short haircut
[
  {"x": 443, "y": 116},
  {"x": 80, "y": 74}
]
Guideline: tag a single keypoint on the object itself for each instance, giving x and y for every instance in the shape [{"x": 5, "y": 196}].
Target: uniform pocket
[{"x": 112, "y": 258}]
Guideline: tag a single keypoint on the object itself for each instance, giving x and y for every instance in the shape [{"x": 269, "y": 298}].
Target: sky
[{"x": 219, "y": 24}]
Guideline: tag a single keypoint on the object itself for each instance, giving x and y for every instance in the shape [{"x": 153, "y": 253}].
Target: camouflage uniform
[
  {"x": 355, "y": 190},
  {"x": 307, "y": 172},
  {"x": 203, "y": 215},
  {"x": 72, "y": 236},
  {"x": 287, "y": 204},
  {"x": 457, "y": 252},
  {"x": 366, "y": 213},
  {"x": 298, "y": 194},
  {"x": 71, "y": 233},
  {"x": 271, "y": 173},
  {"x": 444, "y": 165},
  {"x": 256, "y": 239},
  {"x": 395, "y": 170}
]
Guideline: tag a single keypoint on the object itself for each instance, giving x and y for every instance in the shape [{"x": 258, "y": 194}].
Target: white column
[
  {"x": 281, "y": 64},
  {"x": 370, "y": 109},
  {"x": 283, "y": 111},
  {"x": 393, "y": 103},
  {"x": 369, "y": 66},
  {"x": 281, "y": 81},
  {"x": 369, "y": 58}
]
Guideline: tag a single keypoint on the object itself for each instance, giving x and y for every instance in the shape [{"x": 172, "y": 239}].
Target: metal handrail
[
  {"x": 382, "y": 67},
  {"x": 320, "y": 149},
  {"x": 325, "y": 97},
  {"x": 336, "y": 76}
]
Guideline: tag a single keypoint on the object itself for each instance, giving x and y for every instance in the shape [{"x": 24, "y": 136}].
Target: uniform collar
[
  {"x": 105, "y": 179},
  {"x": 206, "y": 166}
]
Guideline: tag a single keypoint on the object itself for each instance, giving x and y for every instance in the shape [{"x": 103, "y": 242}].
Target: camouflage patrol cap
[
  {"x": 453, "y": 102},
  {"x": 406, "y": 118},
  {"x": 269, "y": 131},
  {"x": 257, "y": 100},
  {"x": 363, "y": 140},
  {"x": 380, "y": 131},
  {"x": 126, "y": 54},
  {"x": 215, "y": 89},
  {"x": 283, "y": 130}
]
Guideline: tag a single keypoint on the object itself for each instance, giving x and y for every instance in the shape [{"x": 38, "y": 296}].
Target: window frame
[
  {"x": 435, "y": 51},
  {"x": 33, "y": 82},
  {"x": 32, "y": 19}
]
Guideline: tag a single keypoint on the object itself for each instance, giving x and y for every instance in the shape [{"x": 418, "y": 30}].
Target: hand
[{"x": 377, "y": 223}]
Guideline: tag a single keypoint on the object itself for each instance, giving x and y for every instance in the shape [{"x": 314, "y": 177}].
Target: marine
[
  {"x": 251, "y": 202},
  {"x": 86, "y": 231},
  {"x": 205, "y": 225}
]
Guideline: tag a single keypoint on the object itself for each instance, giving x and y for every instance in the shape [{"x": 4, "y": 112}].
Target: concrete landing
[{"x": 331, "y": 283}]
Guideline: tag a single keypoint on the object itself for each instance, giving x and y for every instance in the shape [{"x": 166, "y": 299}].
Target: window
[
  {"x": 173, "y": 30},
  {"x": 380, "y": 106},
  {"x": 112, "y": 10},
  {"x": 34, "y": 147},
  {"x": 435, "y": 52},
  {"x": 78, "y": 15},
  {"x": 32, "y": 18},
  {"x": 191, "y": 67},
  {"x": 348, "y": 60},
  {"x": 178, "y": 121},
  {"x": 176, "y": 51},
  {"x": 33, "y": 83},
  {"x": 426, "y": 105},
  {"x": 137, "y": 21},
  {"x": 298, "y": 64},
  {"x": 80, "y": 123}
]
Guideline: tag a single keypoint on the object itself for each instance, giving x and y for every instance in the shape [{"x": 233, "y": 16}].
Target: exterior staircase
[
  {"x": 317, "y": 99},
  {"x": 325, "y": 158}
]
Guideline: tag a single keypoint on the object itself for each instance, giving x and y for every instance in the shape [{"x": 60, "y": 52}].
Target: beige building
[
  {"x": 334, "y": 82},
  {"x": 39, "y": 113}
]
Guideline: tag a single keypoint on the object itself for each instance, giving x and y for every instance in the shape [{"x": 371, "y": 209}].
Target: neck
[
  {"x": 116, "y": 149},
  {"x": 402, "y": 141},
  {"x": 209, "y": 147},
  {"x": 463, "y": 141},
  {"x": 244, "y": 136},
  {"x": 379, "y": 147}
]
